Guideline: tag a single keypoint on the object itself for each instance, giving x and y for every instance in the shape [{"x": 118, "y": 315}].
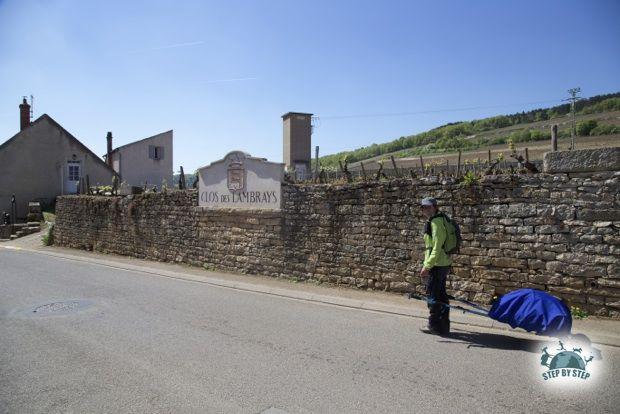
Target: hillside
[{"x": 598, "y": 124}]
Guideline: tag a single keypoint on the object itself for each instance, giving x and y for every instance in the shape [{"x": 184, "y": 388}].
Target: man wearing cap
[{"x": 435, "y": 269}]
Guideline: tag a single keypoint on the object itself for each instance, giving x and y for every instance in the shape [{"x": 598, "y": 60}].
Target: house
[
  {"x": 144, "y": 162},
  {"x": 42, "y": 161}
]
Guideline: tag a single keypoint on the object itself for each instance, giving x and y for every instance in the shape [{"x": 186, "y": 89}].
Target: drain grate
[
  {"x": 60, "y": 308},
  {"x": 57, "y": 307}
]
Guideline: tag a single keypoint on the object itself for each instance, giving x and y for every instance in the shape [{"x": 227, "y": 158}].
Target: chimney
[
  {"x": 297, "y": 137},
  {"x": 24, "y": 115},
  {"x": 109, "y": 153}
]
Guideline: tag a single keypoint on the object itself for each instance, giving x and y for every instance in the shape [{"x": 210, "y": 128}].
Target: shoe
[
  {"x": 429, "y": 331},
  {"x": 445, "y": 329}
]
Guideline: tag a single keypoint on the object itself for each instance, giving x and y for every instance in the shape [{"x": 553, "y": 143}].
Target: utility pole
[{"x": 573, "y": 99}]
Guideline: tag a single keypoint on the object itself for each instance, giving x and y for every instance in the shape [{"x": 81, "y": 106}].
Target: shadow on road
[{"x": 491, "y": 340}]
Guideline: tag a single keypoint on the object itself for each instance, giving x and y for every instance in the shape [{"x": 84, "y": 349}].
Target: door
[{"x": 74, "y": 173}]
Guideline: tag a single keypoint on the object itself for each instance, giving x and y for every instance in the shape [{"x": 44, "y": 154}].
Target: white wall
[{"x": 133, "y": 164}]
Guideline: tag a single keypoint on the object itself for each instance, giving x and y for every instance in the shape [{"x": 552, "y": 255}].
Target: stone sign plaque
[{"x": 242, "y": 182}]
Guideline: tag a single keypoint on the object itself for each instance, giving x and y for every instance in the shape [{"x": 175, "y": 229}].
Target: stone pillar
[{"x": 554, "y": 138}]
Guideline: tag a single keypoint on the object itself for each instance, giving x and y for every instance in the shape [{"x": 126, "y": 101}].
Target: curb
[{"x": 370, "y": 306}]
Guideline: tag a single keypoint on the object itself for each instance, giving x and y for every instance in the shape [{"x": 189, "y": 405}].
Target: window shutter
[
  {"x": 160, "y": 153},
  {"x": 151, "y": 152}
]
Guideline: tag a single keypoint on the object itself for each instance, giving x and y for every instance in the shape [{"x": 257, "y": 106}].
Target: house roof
[
  {"x": 286, "y": 115},
  {"x": 140, "y": 140},
  {"x": 71, "y": 137}
]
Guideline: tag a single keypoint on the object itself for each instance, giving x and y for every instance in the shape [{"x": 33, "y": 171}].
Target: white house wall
[
  {"x": 133, "y": 164},
  {"x": 33, "y": 166}
]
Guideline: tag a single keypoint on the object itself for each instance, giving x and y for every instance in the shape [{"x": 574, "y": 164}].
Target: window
[
  {"x": 73, "y": 171},
  {"x": 156, "y": 153}
]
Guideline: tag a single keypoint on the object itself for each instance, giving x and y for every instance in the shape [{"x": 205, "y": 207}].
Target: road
[{"x": 134, "y": 342}]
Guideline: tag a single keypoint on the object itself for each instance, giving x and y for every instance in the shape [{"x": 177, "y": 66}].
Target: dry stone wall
[{"x": 559, "y": 233}]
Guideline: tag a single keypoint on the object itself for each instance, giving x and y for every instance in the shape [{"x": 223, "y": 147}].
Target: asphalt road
[{"x": 135, "y": 342}]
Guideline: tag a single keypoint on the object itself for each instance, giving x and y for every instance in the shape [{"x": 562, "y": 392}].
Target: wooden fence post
[
  {"x": 554, "y": 138},
  {"x": 363, "y": 171},
  {"x": 394, "y": 165}
]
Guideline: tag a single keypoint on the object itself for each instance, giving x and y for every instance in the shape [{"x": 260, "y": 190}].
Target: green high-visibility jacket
[{"x": 434, "y": 255}]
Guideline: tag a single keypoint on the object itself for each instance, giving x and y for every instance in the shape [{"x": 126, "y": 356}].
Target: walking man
[{"x": 435, "y": 269}]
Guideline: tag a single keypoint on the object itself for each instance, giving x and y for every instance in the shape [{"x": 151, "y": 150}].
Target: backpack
[
  {"x": 453, "y": 238},
  {"x": 453, "y": 233}
]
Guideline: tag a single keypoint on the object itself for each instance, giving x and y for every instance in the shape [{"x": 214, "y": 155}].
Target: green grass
[
  {"x": 49, "y": 217},
  {"x": 578, "y": 313},
  {"x": 48, "y": 237}
]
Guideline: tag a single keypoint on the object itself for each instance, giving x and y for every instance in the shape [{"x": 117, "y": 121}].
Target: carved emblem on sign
[
  {"x": 241, "y": 182},
  {"x": 236, "y": 176}
]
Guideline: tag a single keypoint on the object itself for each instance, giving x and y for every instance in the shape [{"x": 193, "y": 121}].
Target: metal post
[
  {"x": 13, "y": 210},
  {"x": 316, "y": 162}
]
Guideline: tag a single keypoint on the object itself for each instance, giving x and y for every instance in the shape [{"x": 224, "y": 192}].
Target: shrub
[
  {"x": 48, "y": 237},
  {"x": 470, "y": 179},
  {"x": 584, "y": 127},
  {"x": 538, "y": 135},
  {"x": 578, "y": 313},
  {"x": 605, "y": 130}
]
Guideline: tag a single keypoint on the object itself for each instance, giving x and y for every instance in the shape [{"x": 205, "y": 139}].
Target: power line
[{"x": 394, "y": 114}]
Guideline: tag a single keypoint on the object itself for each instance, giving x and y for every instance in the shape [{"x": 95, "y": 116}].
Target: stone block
[
  {"x": 586, "y": 160},
  {"x": 509, "y": 262}
]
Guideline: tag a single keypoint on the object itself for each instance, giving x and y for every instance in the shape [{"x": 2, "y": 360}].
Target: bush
[
  {"x": 578, "y": 313},
  {"x": 470, "y": 179},
  {"x": 48, "y": 237},
  {"x": 538, "y": 135},
  {"x": 605, "y": 130},
  {"x": 584, "y": 127}
]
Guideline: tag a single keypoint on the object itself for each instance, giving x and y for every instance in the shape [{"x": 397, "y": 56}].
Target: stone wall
[{"x": 557, "y": 232}]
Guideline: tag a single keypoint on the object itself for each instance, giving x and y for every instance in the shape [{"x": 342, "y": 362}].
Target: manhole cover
[{"x": 60, "y": 308}]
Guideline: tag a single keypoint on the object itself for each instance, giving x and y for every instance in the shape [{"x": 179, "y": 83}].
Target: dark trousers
[{"x": 437, "y": 299}]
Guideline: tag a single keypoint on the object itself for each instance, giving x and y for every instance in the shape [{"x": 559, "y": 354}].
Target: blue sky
[{"x": 221, "y": 73}]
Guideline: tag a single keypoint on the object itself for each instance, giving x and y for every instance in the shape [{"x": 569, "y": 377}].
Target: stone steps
[{"x": 23, "y": 229}]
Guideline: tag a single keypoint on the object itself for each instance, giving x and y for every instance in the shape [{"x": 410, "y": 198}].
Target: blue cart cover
[{"x": 534, "y": 311}]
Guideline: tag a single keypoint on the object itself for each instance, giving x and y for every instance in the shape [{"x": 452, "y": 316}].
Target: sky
[{"x": 222, "y": 73}]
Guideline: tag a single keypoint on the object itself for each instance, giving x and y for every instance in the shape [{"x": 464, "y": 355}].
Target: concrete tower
[{"x": 296, "y": 133}]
